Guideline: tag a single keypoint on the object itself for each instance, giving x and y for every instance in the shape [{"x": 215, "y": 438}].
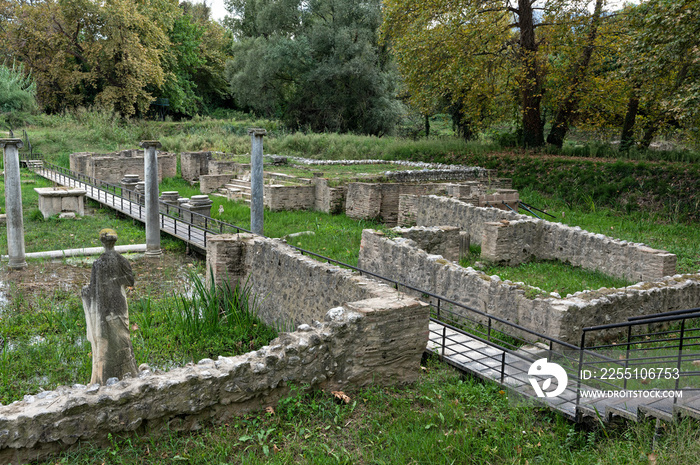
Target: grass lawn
[{"x": 443, "y": 418}]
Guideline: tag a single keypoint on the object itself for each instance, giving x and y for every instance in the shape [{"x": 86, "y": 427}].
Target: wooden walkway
[{"x": 465, "y": 352}]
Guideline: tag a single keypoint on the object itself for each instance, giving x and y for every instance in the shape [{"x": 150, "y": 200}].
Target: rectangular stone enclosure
[
  {"x": 413, "y": 260},
  {"x": 57, "y": 200}
]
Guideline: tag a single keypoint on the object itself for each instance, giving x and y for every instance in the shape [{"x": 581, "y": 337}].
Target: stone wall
[
  {"x": 438, "y": 240},
  {"x": 375, "y": 341},
  {"x": 512, "y": 238},
  {"x": 366, "y": 201},
  {"x": 209, "y": 183},
  {"x": 433, "y": 175},
  {"x": 194, "y": 164},
  {"x": 371, "y": 334},
  {"x": 287, "y": 198},
  {"x": 222, "y": 167},
  {"x": 112, "y": 167},
  {"x": 560, "y": 318},
  {"x": 291, "y": 288},
  {"x": 329, "y": 199}
]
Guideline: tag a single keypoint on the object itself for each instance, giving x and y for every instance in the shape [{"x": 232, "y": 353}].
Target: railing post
[
  {"x": 627, "y": 354},
  {"x": 680, "y": 356},
  {"x": 503, "y": 366},
  {"x": 488, "y": 332},
  {"x": 444, "y": 335},
  {"x": 581, "y": 349}
]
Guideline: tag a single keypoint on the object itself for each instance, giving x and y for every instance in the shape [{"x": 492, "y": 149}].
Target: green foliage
[
  {"x": 316, "y": 65},
  {"x": 218, "y": 319},
  {"x": 17, "y": 95}
]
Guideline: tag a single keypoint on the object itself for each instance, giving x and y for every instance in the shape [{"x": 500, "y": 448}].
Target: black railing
[{"x": 650, "y": 352}]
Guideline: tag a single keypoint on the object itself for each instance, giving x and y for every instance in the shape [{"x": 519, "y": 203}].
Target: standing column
[
  {"x": 256, "y": 180},
  {"x": 13, "y": 203},
  {"x": 150, "y": 171}
]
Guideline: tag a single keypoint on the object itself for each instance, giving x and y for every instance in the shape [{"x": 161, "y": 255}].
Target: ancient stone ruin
[
  {"x": 369, "y": 333},
  {"x": 112, "y": 167},
  {"x": 362, "y": 197}
]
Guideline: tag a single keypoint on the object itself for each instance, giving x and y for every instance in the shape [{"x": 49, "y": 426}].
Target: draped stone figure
[{"x": 107, "y": 313}]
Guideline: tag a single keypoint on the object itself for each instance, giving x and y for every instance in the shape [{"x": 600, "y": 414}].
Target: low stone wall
[
  {"x": 291, "y": 288},
  {"x": 286, "y": 198},
  {"x": 561, "y": 318},
  {"x": 366, "y": 201},
  {"x": 437, "y": 240},
  {"x": 512, "y": 238},
  {"x": 194, "y": 164},
  {"x": 112, "y": 167},
  {"x": 370, "y": 334},
  {"x": 222, "y": 167},
  {"x": 432, "y": 175},
  {"x": 209, "y": 183},
  {"x": 376, "y": 341}
]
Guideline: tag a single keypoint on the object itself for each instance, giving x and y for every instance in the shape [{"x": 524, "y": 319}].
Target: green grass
[
  {"x": 655, "y": 229},
  {"x": 550, "y": 276},
  {"x": 56, "y": 234},
  {"x": 442, "y": 418},
  {"x": 335, "y": 236},
  {"x": 43, "y": 332}
]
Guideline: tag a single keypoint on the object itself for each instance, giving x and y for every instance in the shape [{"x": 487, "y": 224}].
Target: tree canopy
[
  {"x": 119, "y": 54},
  {"x": 316, "y": 64}
]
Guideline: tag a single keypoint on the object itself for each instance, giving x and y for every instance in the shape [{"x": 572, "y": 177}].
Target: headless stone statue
[{"x": 107, "y": 313}]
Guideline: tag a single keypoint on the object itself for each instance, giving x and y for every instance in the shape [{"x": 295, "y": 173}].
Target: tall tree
[
  {"x": 663, "y": 69},
  {"x": 316, "y": 64},
  {"x": 479, "y": 49},
  {"x": 567, "y": 107},
  {"x": 17, "y": 96}
]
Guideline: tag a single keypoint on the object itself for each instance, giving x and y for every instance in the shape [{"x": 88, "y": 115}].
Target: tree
[
  {"x": 315, "y": 64},
  {"x": 663, "y": 69},
  {"x": 452, "y": 64},
  {"x": 82, "y": 53},
  {"x": 17, "y": 95},
  {"x": 484, "y": 53},
  {"x": 194, "y": 62}
]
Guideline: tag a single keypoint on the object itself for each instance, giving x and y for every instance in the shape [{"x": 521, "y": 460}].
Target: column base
[
  {"x": 17, "y": 264},
  {"x": 154, "y": 253}
]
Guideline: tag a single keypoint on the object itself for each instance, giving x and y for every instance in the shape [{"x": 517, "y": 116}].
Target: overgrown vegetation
[{"x": 43, "y": 328}]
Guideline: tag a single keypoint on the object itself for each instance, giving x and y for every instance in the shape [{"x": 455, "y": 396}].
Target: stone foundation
[
  {"x": 511, "y": 238},
  {"x": 561, "y": 318},
  {"x": 291, "y": 288},
  {"x": 289, "y": 198},
  {"x": 112, "y": 167},
  {"x": 194, "y": 164}
]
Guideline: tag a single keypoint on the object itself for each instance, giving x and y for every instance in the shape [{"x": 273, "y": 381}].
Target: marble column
[{"x": 13, "y": 203}]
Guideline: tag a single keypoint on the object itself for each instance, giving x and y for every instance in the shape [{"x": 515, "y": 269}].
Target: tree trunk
[
  {"x": 627, "y": 136},
  {"x": 427, "y": 126},
  {"x": 531, "y": 86},
  {"x": 565, "y": 113}
]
